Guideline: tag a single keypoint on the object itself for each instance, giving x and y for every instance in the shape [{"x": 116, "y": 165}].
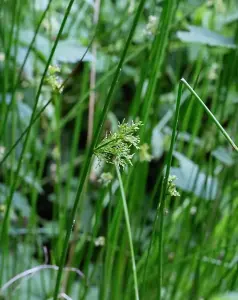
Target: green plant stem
[
  {"x": 90, "y": 150},
  {"x": 156, "y": 60},
  {"x": 23, "y": 64},
  {"x": 72, "y": 113},
  {"x": 7, "y": 60},
  {"x": 10, "y": 197},
  {"x": 128, "y": 227},
  {"x": 169, "y": 161},
  {"x": 41, "y": 111},
  {"x": 164, "y": 188},
  {"x": 210, "y": 114}
]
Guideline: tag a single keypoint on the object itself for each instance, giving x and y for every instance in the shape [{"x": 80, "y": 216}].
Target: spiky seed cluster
[
  {"x": 172, "y": 187},
  {"x": 115, "y": 148}
]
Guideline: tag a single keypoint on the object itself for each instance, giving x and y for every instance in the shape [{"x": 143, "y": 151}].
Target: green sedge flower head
[
  {"x": 115, "y": 148},
  {"x": 172, "y": 187},
  {"x": 53, "y": 80}
]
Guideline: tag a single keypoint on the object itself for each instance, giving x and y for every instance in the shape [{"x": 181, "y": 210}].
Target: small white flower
[
  {"x": 151, "y": 26},
  {"x": 193, "y": 210},
  {"x": 100, "y": 241},
  {"x": 2, "y": 151},
  {"x": 2, "y": 56}
]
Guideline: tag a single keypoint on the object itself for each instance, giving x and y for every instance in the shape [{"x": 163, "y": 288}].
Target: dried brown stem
[{"x": 92, "y": 97}]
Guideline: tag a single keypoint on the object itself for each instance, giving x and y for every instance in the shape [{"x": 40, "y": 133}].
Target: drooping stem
[
  {"x": 169, "y": 160},
  {"x": 128, "y": 228},
  {"x": 210, "y": 114}
]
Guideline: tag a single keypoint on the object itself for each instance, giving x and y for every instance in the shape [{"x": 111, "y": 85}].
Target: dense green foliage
[{"x": 118, "y": 179}]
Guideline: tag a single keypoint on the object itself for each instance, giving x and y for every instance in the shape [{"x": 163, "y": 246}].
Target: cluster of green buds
[
  {"x": 171, "y": 188},
  {"x": 115, "y": 148},
  {"x": 54, "y": 80}
]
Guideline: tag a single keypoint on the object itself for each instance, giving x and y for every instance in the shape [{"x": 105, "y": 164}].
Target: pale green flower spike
[
  {"x": 53, "y": 80},
  {"x": 53, "y": 70},
  {"x": 171, "y": 186},
  {"x": 115, "y": 148},
  {"x": 151, "y": 26},
  {"x": 144, "y": 153}
]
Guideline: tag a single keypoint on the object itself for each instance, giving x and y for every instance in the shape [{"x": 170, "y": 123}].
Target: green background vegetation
[{"x": 73, "y": 226}]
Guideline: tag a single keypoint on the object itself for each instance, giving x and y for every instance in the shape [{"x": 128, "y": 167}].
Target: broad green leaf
[
  {"x": 191, "y": 179},
  {"x": 157, "y": 143},
  {"x": 233, "y": 17},
  {"x": 67, "y": 50},
  {"x": 71, "y": 51},
  {"x": 223, "y": 155},
  {"x": 19, "y": 201},
  {"x": 204, "y": 36}
]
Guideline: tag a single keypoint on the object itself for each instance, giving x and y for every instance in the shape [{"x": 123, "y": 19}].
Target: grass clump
[{"x": 94, "y": 207}]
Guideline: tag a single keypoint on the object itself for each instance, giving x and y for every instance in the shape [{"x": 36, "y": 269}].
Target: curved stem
[
  {"x": 128, "y": 227},
  {"x": 165, "y": 184},
  {"x": 210, "y": 114},
  {"x": 34, "y": 270}
]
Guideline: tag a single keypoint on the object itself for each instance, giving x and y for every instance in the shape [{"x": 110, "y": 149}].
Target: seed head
[{"x": 115, "y": 148}]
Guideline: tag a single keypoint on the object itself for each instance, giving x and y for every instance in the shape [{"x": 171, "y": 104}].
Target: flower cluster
[
  {"x": 115, "y": 148},
  {"x": 151, "y": 26},
  {"x": 53, "y": 80},
  {"x": 172, "y": 187}
]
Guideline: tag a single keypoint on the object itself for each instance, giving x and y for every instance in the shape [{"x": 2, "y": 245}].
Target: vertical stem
[
  {"x": 164, "y": 188},
  {"x": 92, "y": 96},
  {"x": 128, "y": 227},
  {"x": 37, "y": 115},
  {"x": 4, "y": 229},
  {"x": 156, "y": 58},
  {"x": 8, "y": 109},
  {"x": 90, "y": 150}
]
